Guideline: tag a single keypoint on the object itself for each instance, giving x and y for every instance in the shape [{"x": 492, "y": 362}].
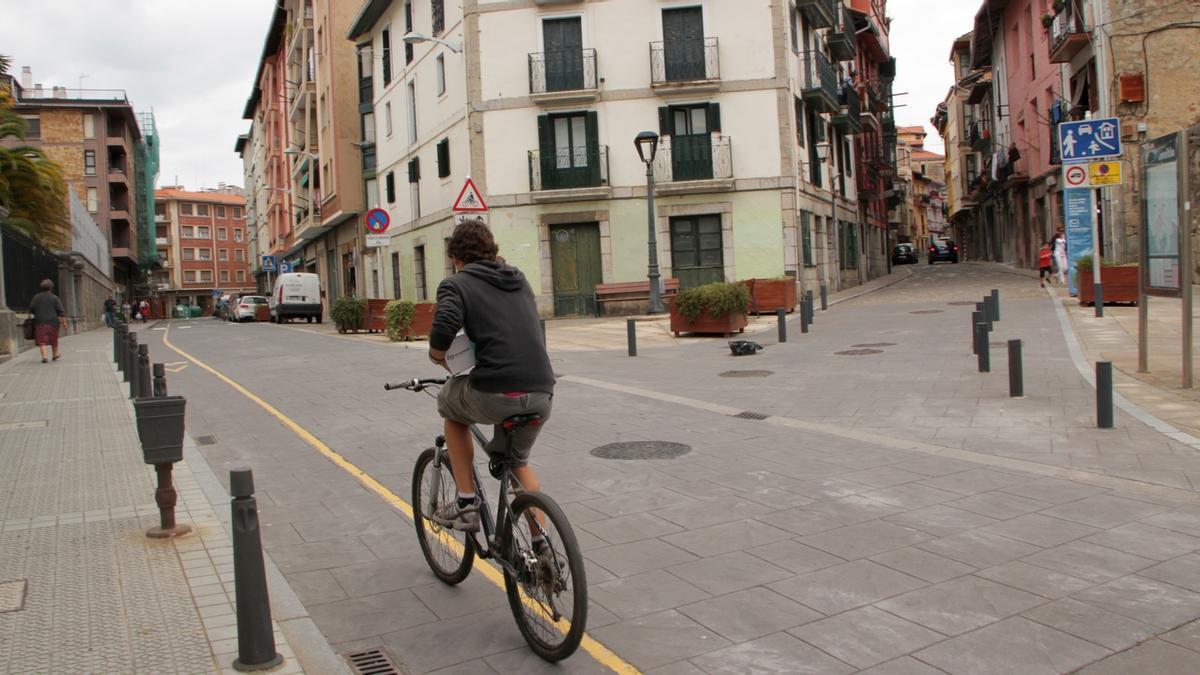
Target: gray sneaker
[{"x": 465, "y": 519}]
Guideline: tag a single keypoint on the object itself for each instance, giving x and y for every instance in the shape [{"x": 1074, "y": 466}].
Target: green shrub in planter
[
  {"x": 399, "y": 315},
  {"x": 1084, "y": 263},
  {"x": 717, "y": 298},
  {"x": 348, "y": 314}
]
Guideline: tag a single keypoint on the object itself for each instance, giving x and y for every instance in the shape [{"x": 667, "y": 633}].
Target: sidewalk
[{"x": 82, "y": 589}]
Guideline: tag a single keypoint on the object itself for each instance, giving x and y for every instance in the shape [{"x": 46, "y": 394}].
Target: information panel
[{"x": 1160, "y": 237}]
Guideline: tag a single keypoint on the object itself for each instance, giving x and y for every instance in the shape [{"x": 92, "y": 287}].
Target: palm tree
[{"x": 32, "y": 188}]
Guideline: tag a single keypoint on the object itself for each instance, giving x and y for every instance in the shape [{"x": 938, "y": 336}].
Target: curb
[{"x": 852, "y": 294}]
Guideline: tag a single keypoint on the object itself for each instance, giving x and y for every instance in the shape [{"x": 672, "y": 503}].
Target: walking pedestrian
[
  {"x": 110, "y": 312},
  {"x": 48, "y": 314},
  {"x": 144, "y": 310},
  {"x": 1060, "y": 255},
  {"x": 1045, "y": 265},
  {"x": 126, "y": 314}
]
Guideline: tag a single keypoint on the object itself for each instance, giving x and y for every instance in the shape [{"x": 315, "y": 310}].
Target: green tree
[{"x": 32, "y": 188}]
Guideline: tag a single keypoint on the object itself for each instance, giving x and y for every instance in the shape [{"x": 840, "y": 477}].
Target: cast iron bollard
[
  {"x": 781, "y": 319},
  {"x": 122, "y": 338},
  {"x": 824, "y": 297},
  {"x": 1104, "y": 395},
  {"x": 116, "y": 331},
  {"x": 256, "y": 641},
  {"x": 1016, "y": 378},
  {"x": 631, "y": 336},
  {"x": 995, "y": 304},
  {"x": 143, "y": 372},
  {"x": 985, "y": 351},
  {"x": 160, "y": 430},
  {"x": 989, "y": 309},
  {"x": 976, "y": 319},
  {"x": 982, "y": 308},
  {"x": 160, "y": 380},
  {"x": 130, "y": 358},
  {"x": 1098, "y": 290},
  {"x": 808, "y": 300},
  {"x": 804, "y": 318}
]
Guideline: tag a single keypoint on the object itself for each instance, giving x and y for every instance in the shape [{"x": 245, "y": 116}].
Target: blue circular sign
[{"x": 378, "y": 221}]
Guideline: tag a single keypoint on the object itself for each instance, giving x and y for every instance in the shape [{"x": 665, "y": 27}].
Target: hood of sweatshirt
[{"x": 496, "y": 273}]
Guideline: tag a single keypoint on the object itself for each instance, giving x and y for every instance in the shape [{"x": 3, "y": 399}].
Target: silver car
[{"x": 247, "y": 306}]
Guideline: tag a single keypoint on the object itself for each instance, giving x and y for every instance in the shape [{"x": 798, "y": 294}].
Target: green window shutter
[
  {"x": 390, "y": 185},
  {"x": 714, "y": 117},
  {"x": 443, "y": 157},
  {"x": 591, "y": 127},
  {"x": 414, "y": 170},
  {"x": 545, "y": 152},
  {"x": 664, "y": 121}
]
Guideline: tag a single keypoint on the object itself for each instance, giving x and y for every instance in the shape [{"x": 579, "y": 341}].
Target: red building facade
[{"x": 205, "y": 243}]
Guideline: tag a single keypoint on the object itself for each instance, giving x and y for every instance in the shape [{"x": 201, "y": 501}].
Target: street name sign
[
  {"x": 469, "y": 200},
  {"x": 1089, "y": 139}
]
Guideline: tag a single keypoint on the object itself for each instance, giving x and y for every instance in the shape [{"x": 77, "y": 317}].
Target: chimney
[
  {"x": 37, "y": 90},
  {"x": 60, "y": 92},
  {"x": 26, "y": 77}
]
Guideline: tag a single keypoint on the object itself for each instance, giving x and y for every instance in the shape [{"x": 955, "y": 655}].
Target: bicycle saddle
[{"x": 518, "y": 421}]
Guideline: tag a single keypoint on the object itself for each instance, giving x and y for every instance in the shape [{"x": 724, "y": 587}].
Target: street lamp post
[
  {"x": 823, "y": 149},
  {"x": 646, "y": 143},
  {"x": 411, "y": 38}
]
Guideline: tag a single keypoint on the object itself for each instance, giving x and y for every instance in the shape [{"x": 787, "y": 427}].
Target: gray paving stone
[
  {"x": 865, "y": 539},
  {"x": 317, "y": 587},
  {"x": 1146, "y": 540},
  {"x": 641, "y": 556},
  {"x": 1104, "y": 510},
  {"x": 829, "y": 488},
  {"x": 647, "y": 593},
  {"x": 1014, "y": 645},
  {"x": 1000, "y": 505},
  {"x": 905, "y": 665},
  {"x": 842, "y": 587},
  {"x": 321, "y": 555},
  {"x": 974, "y": 481},
  {"x": 911, "y": 496},
  {"x": 1183, "y": 571},
  {"x": 711, "y": 512},
  {"x": 978, "y": 548},
  {"x": 794, "y": 556},
  {"x": 1152, "y": 656},
  {"x": 1091, "y": 623},
  {"x": 1053, "y": 490},
  {"x": 476, "y": 667},
  {"x": 357, "y": 618},
  {"x": 866, "y": 636},
  {"x": 1039, "y": 580},
  {"x": 423, "y": 647},
  {"x": 475, "y": 594},
  {"x": 1147, "y": 600},
  {"x": 1040, "y": 530},
  {"x": 884, "y": 476},
  {"x": 959, "y": 605},
  {"x": 755, "y": 480},
  {"x": 629, "y": 528},
  {"x": 677, "y": 668},
  {"x": 729, "y": 572},
  {"x": 523, "y": 660},
  {"x": 852, "y": 509},
  {"x": 1185, "y": 519},
  {"x": 1187, "y": 635},
  {"x": 658, "y": 639},
  {"x": 1088, "y": 561},
  {"x": 776, "y": 498},
  {"x": 379, "y": 576},
  {"x": 941, "y": 520},
  {"x": 727, "y": 537},
  {"x": 654, "y": 499},
  {"x": 923, "y": 564},
  {"x": 799, "y": 521},
  {"x": 749, "y": 614},
  {"x": 778, "y": 653}
]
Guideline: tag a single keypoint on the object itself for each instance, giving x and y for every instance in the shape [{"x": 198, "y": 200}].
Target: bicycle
[{"x": 547, "y": 595}]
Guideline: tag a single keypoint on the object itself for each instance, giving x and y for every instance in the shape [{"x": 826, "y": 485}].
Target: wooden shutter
[
  {"x": 414, "y": 170},
  {"x": 714, "y": 116},
  {"x": 591, "y": 127},
  {"x": 390, "y": 186},
  {"x": 664, "y": 121},
  {"x": 546, "y": 164}
]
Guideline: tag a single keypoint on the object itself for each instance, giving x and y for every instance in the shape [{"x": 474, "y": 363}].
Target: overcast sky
[{"x": 192, "y": 62}]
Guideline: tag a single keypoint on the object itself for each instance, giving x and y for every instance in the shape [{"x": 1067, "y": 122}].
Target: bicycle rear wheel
[
  {"x": 450, "y": 553},
  {"x": 550, "y": 609}
]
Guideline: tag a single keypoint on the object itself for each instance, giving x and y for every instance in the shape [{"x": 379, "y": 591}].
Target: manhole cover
[
  {"x": 206, "y": 440},
  {"x": 641, "y": 450},
  {"x": 875, "y": 344},
  {"x": 963, "y": 303},
  {"x": 926, "y": 311},
  {"x": 747, "y": 373},
  {"x": 859, "y": 352},
  {"x": 372, "y": 662},
  {"x": 12, "y": 596}
]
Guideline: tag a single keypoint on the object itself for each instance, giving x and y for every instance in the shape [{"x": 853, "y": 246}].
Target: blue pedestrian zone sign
[
  {"x": 285, "y": 267},
  {"x": 1089, "y": 139},
  {"x": 268, "y": 263}
]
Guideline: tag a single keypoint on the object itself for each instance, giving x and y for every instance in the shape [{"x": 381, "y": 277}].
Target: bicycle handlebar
[{"x": 415, "y": 384}]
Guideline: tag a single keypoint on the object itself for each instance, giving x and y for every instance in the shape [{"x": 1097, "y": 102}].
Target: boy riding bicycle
[{"x": 492, "y": 302}]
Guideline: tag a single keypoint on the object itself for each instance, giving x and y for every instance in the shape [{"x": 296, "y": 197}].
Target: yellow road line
[{"x": 605, "y": 656}]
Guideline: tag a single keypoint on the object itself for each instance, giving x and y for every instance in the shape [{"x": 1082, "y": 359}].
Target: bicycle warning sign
[{"x": 469, "y": 200}]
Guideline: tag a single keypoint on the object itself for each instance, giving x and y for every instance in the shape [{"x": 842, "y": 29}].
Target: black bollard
[
  {"x": 804, "y": 318},
  {"x": 1104, "y": 395},
  {"x": 989, "y": 309},
  {"x": 160, "y": 380},
  {"x": 122, "y": 333},
  {"x": 976, "y": 319},
  {"x": 995, "y": 304},
  {"x": 808, "y": 300},
  {"x": 116, "y": 331},
  {"x": 631, "y": 336},
  {"x": 985, "y": 351},
  {"x": 824, "y": 297},
  {"x": 1098, "y": 289},
  {"x": 143, "y": 371},
  {"x": 1016, "y": 378},
  {"x": 256, "y": 641},
  {"x": 781, "y": 319},
  {"x": 130, "y": 357},
  {"x": 985, "y": 313}
]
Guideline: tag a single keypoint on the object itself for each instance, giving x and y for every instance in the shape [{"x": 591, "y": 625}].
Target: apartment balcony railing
[
  {"x": 841, "y": 39},
  {"x": 568, "y": 168},
  {"x": 820, "y": 13},
  {"x": 563, "y": 71},
  {"x": 693, "y": 157},
  {"x": 1067, "y": 34},
  {"x": 820, "y": 83},
  {"x": 161, "y": 241},
  {"x": 161, "y": 218},
  {"x": 685, "y": 62},
  {"x": 848, "y": 118},
  {"x": 888, "y": 119}
]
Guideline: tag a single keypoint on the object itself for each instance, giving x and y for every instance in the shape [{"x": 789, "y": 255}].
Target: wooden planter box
[
  {"x": 422, "y": 321},
  {"x": 1120, "y": 285},
  {"x": 769, "y": 295},
  {"x": 376, "y": 319},
  {"x": 726, "y": 325},
  {"x": 262, "y": 313}
]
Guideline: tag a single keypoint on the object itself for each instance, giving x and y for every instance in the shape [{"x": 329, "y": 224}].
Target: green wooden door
[
  {"x": 697, "y": 257},
  {"x": 563, "y": 39},
  {"x": 683, "y": 43},
  {"x": 575, "y": 264}
]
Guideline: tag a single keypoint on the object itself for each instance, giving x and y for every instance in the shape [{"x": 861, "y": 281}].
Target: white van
[{"x": 296, "y": 294}]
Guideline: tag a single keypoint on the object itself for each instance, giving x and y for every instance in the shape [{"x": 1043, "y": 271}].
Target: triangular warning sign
[{"x": 469, "y": 199}]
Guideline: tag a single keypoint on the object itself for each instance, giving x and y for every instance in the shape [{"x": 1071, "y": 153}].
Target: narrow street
[{"x": 894, "y": 506}]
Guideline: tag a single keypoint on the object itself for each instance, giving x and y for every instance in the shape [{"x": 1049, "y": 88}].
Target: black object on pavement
[
  {"x": 1016, "y": 377},
  {"x": 781, "y": 318},
  {"x": 256, "y": 641},
  {"x": 143, "y": 372},
  {"x": 631, "y": 335},
  {"x": 744, "y": 347},
  {"x": 985, "y": 350},
  {"x": 1104, "y": 394}
]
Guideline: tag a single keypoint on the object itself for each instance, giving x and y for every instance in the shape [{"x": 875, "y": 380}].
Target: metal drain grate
[
  {"x": 206, "y": 440},
  {"x": 751, "y": 415},
  {"x": 641, "y": 450},
  {"x": 747, "y": 373},
  {"x": 372, "y": 662},
  {"x": 859, "y": 352},
  {"x": 926, "y": 311},
  {"x": 875, "y": 344}
]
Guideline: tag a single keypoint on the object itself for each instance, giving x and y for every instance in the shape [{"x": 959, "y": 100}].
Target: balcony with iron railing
[
  {"x": 563, "y": 75},
  {"x": 693, "y": 163},
  {"x": 1068, "y": 35},
  {"x": 841, "y": 39},
  {"x": 819, "y": 88},
  {"x": 848, "y": 119},
  {"x": 577, "y": 173},
  {"x": 685, "y": 64},
  {"x": 819, "y": 13}
]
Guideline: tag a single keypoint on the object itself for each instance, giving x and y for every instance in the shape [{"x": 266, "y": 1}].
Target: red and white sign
[
  {"x": 1075, "y": 175},
  {"x": 378, "y": 221},
  {"x": 469, "y": 200}
]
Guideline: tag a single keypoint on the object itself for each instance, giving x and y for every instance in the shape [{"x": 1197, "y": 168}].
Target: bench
[{"x": 630, "y": 291}]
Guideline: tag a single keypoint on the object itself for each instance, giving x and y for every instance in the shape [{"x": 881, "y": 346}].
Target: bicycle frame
[{"x": 491, "y": 528}]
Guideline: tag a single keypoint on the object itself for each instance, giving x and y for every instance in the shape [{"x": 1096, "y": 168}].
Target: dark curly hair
[{"x": 472, "y": 241}]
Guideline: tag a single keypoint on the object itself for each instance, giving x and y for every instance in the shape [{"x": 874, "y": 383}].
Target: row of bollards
[{"x": 160, "y": 427}]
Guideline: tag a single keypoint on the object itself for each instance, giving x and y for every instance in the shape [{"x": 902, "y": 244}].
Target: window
[
  {"x": 414, "y": 186},
  {"x": 89, "y": 125},
  {"x": 806, "y": 239},
  {"x": 443, "y": 157},
  {"x": 386, "y": 48},
  {"x": 570, "y": 156},
  {"x": 89, "y": 162},
  {"x": 189, "y": 276},
  {"x": 202, "y": 209},
  {"x": 237, "y": 234},
  {"x": 387, "y": 119},
  {"x": 185, "y": 209},
  {"x": 189, "y": 254},
  {"x": 206, "y": 276},
  {"x": 224, "y": 276},
  {"x": 222, "y": 233},
  {"x": 389, "y": 185},
  {"x": 795, "y": 28},
  {"x": 439, "y": 16},
  {"x": 441, "y": 74},
  {"x": 799, "y": 122},
  {"x": 203, "y": 232},
  {"x": 241, "y": 275},
  {"x": 237, "y": 213},
  {"x": 368, "y": 127},
  {"x": 33, "y": 126},
  {"x": 221, "y": 213},
  {"x": 239, "y": 255},
  {"x": 408, "y": 26},
  {"x": 371, "y": 189},
  {"x": 697, "y": 254},
  {"x": 93, "y": 200},
  {"x": 223, "y": 254},
  {"x": 419, "y": 271},
  {"x": 396, "y": 276},
  {"x": 412, "y": 111},
  {"x": 160, "y": 209},
  {"x": 204, "y": 254}
]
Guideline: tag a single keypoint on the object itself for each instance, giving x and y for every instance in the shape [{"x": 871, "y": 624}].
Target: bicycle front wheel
[
  {"x": 450, "y": 553},
  {"x": 547, "y": 592}
]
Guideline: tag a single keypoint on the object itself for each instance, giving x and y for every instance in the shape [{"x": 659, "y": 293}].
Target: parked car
[
  {"x": 296, "y": 294},
  {"x": 230, "y": 311},
  {"x": 246, "y": 307},
  {"x": 944, "y": 250},
  {"x": 904, "y": 254}
]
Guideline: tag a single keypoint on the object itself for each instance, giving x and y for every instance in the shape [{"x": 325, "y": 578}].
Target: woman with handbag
[{"x": 48, "y": 314}]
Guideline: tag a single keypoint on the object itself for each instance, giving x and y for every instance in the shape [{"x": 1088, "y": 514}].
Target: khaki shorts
[{"x": 459, "y": 402}]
